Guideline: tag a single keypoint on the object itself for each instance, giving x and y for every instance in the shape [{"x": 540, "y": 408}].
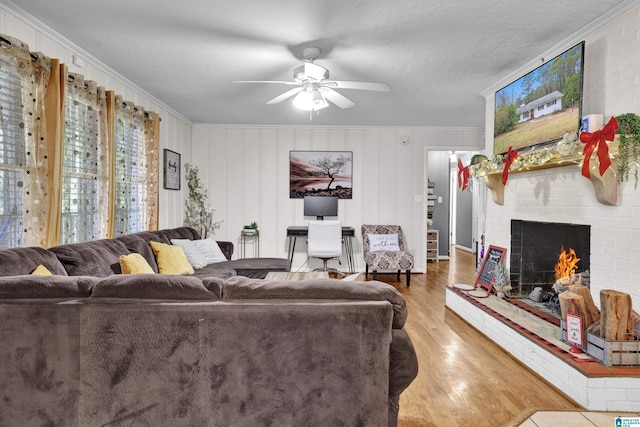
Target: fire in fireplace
[{"x": 535, "y": 250}]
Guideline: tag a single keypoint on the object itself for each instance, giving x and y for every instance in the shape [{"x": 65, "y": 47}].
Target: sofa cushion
[
  {"x": 171, "y": 259},
  {"x": 135, "y": 264},
  {"x": 31, "y": 286},
  {"x": 139, "y": 243},
  {"x": 191, "y": 251},
  {"x": 245, "y": 288},
  {"x": 152, "y": 286},
  {"x": 100, "y": 258},
  {"x": 21, "y": 261},
  {"x": 201, "y": 252}
]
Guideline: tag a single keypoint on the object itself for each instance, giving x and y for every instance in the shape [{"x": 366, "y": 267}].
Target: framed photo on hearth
[{"x": 171, "y": 170}]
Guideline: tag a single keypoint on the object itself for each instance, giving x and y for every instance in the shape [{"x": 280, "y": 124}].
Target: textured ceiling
[{"x": 437, "y": 55}]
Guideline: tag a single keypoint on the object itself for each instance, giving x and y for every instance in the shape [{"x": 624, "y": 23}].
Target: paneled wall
[
  {"x": 247, "y": 172},
  {"x": 612, "y": 87},
  {"x": 175, "y": 130}
]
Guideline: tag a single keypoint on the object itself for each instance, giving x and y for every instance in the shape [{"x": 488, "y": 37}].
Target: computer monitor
[{"x": 320, "y": 206}]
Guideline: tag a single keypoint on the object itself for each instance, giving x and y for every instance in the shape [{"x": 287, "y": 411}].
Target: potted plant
[
  {"x": 252, "y": 228},
  {"x": 502, "y": 283},
  {"x": 629, "y": 146},
  {"x": 198, "y": 211}
]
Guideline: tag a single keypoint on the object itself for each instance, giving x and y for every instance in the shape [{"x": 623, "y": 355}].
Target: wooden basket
[{"x": 612, "y": 353}]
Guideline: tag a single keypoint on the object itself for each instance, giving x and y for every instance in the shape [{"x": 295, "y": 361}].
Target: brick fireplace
[{"x": 534, "y": 252}]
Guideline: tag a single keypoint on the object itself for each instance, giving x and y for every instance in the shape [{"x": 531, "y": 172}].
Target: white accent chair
[{"x": 324, "y": 241}]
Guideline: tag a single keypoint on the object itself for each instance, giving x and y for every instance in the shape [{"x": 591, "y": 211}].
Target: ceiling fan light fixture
[{"x": 310, "y": 99}]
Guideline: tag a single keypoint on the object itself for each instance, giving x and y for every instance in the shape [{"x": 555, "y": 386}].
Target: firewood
[
  {"x": 572, "y": 303},
  {"x": 617, "y": 316},
  {"x": 593, "y": 314}
]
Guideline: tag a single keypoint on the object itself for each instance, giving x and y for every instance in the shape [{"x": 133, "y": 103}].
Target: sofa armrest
[{"x": 403, "y": 369}]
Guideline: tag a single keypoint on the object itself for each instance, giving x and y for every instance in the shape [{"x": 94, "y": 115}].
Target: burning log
[
  {"x": 592, "y": 312},
  {"x": 567, "y": 263},
  {"x": 617, "y": 316}
]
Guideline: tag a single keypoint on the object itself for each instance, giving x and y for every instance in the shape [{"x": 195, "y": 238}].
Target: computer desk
[{"x": 295, "y": 231}]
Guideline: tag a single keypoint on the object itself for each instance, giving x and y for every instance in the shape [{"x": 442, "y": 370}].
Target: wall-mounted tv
[{"x": 541, "y": 106}]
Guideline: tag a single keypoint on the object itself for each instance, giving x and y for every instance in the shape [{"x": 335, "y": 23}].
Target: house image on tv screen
[{"x": 542, "y": 106}]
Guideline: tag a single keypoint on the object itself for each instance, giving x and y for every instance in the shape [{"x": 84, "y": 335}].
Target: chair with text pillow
[
  {"x": 384, "y": 249},
  {"x": 324, "y": 241}
]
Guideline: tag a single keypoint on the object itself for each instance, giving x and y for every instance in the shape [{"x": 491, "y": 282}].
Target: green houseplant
[
  {"x": 198, "y": 211},
  {"x": 629, "y": 146},
  {"x": 253, "y": 226}
]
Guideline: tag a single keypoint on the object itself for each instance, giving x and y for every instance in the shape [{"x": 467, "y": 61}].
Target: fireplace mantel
[{"x": 605, "y": 186}]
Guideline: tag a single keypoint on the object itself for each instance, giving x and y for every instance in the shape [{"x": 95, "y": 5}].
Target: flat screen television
[
  {"x": 320, "y": 206},
  {"x": 541, "y": 106}
]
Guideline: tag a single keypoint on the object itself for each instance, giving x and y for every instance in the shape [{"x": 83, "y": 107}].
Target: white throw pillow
[
  {"x": 191, "y": 250},
  {"x": 383, "y": 242},
  {"x": 210, "y": 250}
]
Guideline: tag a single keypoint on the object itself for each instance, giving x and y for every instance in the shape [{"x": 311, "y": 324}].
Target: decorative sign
[
  {"x": 487, "y": 273},
  {"x": 574, "y": 329},
  {"x": 171, "y": 170}
]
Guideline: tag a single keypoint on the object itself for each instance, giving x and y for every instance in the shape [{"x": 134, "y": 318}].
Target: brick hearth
[{"x": 537, "y": 344}]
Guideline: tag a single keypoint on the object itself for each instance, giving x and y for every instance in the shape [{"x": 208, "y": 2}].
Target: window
[
  {"x": 12, "y": 156},
  {"x": 130, "y": 169}
]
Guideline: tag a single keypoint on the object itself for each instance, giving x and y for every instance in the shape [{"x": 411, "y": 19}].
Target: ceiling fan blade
[
  {"x": 287, "y": 94},
  {"x": 282, "y": 82},
  {"x": 338, "y": 99},
  {"x": 342, "y": 84}
]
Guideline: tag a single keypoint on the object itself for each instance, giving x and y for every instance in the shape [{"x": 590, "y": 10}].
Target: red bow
[
  {"x": 598, "y": 139},
  {"x": 508, "y": 159},
  {"x": 463, "y": 176}
]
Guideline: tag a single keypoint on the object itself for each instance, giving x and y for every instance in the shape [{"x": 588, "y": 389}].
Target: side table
[{"x": 252, "y": 237}]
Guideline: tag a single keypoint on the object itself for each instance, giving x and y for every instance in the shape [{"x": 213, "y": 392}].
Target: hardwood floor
[{"x": 464, "y": 379}]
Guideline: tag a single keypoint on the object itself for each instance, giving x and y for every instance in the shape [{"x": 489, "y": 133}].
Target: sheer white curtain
[
  {"x": 23, "y": 150},
  {"x": 85, "y": 163}
]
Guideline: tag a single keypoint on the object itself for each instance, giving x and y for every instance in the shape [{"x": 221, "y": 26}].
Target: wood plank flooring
[{"x": 465, "y": 379}]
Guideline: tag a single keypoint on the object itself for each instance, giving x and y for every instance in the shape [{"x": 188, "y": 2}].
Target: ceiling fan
[{"x": 313, "y": 87}]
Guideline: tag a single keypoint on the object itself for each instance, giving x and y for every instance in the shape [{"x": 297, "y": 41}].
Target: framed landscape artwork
[
  {"x": 320, "y": 173},
  {"x": 171, "y": 170}
]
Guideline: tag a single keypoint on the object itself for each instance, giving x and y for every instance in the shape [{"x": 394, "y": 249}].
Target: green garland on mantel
[{"x": 628, "y": 147}]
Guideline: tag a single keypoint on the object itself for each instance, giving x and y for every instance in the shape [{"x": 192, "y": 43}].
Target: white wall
[
  {"x": 612, "y": 87},
  {"x": 247, "y": 172},
  {"x": 175, "y": 131}
]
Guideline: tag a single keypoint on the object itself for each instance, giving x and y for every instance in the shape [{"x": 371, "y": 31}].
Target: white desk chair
[{"x": 324, "y": 241}]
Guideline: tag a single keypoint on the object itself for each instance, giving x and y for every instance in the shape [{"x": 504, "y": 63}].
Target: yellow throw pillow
[
  {"x": 135, "y": 264},
  {"x": 41, "y": 270},
  {"x": 171, "y": 259}
]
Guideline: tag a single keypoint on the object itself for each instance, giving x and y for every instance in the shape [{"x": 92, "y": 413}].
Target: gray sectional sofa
[{"x": 88, "y": 346}]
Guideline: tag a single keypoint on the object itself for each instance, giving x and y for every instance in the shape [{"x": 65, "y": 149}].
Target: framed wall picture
[
  {"x": 171, "y": 170},
  {"x": 320, "y": 173}
]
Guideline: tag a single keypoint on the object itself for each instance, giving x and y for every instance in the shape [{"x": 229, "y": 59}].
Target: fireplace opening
[{"x": 537, "y": 249}]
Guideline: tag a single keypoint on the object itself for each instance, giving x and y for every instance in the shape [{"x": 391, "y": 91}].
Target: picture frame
[
  {"x": 172, "y": 170},
  {"x": 321, "y": 173}
]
